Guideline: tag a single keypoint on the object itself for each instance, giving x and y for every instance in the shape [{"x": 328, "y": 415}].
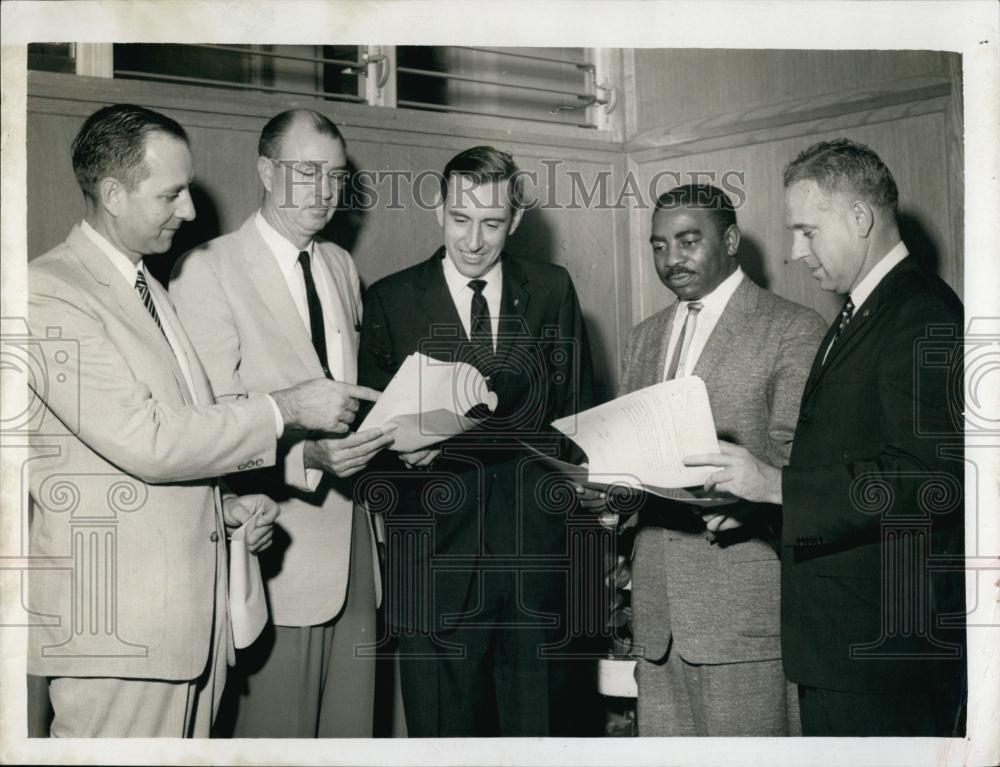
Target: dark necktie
[
  {"x": 845, "y": 318},
  {"x": 142, "y": 287},
  {"x": 479, "y": 327},
  {"x": 690, "y": 323},
  {"x": 316, "y": 326}
]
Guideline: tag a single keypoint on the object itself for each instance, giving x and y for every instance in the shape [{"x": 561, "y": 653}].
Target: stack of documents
[{"x": 640, "y": 440}]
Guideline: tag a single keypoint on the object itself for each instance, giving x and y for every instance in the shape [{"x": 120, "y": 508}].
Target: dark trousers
[
  {"x": 919, "y": 713},
  {"x": 488, "y": 676}
]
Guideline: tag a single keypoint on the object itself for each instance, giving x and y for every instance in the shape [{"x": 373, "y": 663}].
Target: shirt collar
[
  {"x": 120, "y": 261},
  {"x": 715, "y": 302},
  {"x": 458, "y": 282},
  {"x": 865, "y": 288},
  {"x": 285, "y": 252}
]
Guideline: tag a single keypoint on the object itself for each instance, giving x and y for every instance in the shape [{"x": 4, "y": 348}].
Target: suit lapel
[
  {"x": 105, "y": 273},
  {"x": 514, "y": 299},
  {"x": 734, "y": 316},
  {"x": 859, "y": 326},
  {"x": 269, "y": 282},
  {"x": 345, "y": 322},
  {"x": 436, "y": 301},
  {"x": 199, "y": 381}
]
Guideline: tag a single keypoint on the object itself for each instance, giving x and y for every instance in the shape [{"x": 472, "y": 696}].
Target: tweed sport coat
[{"x": 721, "y": 603}]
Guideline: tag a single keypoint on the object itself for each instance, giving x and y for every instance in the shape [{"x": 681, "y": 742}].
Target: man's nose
[
  {"x": 185, "y": 210},
  {"x": 800, "y": 247},
  {"x": 475, "y": 238}
]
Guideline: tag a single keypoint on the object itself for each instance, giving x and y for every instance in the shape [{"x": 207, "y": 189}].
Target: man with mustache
[
  {"x": 873, "y": 598},
  {"x": 706, "y": 602},
  {"x": 272, "y": 304}
]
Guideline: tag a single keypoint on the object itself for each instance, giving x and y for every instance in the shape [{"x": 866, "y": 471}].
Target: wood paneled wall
[{"x": 748, "y": 113}]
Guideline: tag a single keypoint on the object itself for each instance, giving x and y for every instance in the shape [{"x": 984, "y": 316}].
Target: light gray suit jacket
[
  {"x": 236, "y": 307},
  {"x": 127, "y": 537},
  {"x": 721, "y": 603}
]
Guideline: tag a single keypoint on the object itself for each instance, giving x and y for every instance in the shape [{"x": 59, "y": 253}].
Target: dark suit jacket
[
  {"x": 873, "y": 499},
  {"x": 486, "y": 499},
  {"x": 721, "y": 603}
]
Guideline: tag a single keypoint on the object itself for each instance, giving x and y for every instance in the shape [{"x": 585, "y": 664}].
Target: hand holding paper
[
  {"x": 427, "y": 401},
  {"x": 641, "y": 439}
]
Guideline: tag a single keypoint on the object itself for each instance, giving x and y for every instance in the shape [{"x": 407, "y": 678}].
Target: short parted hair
[
  {"x": 485, "y": 164},
  {"x": 269, "y": 144},
  {"x": 705, "y": 197},
  {"x": 112, "y": 143},
  {"x": 847, "y": 167}
]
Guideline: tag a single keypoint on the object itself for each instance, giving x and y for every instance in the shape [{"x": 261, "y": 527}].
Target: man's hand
[
  {"x": 236, "y": 510},
  {"x": 420, "y": 459},
  {"x": 596, "y": 502},
  {"x": 345, "y": 456},
  {"x": 741, "y": 474},
  {"x": 321, "y": 404}
]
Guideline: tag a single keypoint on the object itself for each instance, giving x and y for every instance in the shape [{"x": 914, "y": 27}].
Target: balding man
[{"x": 270, "y": 305}]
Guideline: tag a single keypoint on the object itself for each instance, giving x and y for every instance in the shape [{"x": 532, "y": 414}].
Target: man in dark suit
[
  {"x": 872, "y": 546},
  {"x": 478, "y": 560}
]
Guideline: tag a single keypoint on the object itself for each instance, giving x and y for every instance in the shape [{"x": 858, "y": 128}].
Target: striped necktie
[
  {"x": 147, "y": 300},
  {"x": 684, "y": 340}
]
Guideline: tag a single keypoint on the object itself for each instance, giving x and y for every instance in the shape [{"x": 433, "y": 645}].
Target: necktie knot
[
  {"x": 477, "y": 286},
  {"x": 694, "y": 307},
  {"x": 845, "y": 315},
  {"x": 304, "y": 259}
]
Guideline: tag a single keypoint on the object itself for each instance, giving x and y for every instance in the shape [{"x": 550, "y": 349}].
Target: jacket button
[
  {"x": 803, "y": 418},
  {"x": 214, "y": 537}
]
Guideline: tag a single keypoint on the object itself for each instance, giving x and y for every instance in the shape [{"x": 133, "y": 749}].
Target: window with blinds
[{"x": 542, "y": 85}]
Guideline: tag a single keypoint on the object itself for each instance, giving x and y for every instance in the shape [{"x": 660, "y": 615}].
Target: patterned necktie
[
  {"x": 142, "y": 287},
  {"x": 316, "y": 327},
  {"x": 845, "y": 318},
  {"x": 480, "y": 332},
  {"x": 684, "y": 341}
]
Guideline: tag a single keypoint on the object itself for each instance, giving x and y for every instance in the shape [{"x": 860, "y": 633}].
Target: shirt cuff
[{"x": 279, "y": 422}]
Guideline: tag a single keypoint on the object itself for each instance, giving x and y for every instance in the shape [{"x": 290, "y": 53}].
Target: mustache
[{"x": 673, "y": 271}]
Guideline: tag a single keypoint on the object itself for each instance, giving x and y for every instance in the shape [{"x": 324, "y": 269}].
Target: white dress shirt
[
  {"x": 712, "y": 307},
  {"x": 129, "y": 273},
  {"x": 461, "y": 294},
  {"x": 287, "y": 257},
  {"x": 865, "y": 288}
]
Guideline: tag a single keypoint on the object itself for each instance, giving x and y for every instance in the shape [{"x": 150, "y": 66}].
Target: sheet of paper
[
  {"x": 426, "y": 402},
  {"x": 640, "y": 440},
  {"x": 247, "y": 604}
]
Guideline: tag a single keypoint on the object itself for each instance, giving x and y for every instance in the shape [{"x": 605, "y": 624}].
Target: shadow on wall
[
  {"x": 920, "y": 242},
  {"x": 206, "y": 226},
  {"x": 751, "y": 260}
]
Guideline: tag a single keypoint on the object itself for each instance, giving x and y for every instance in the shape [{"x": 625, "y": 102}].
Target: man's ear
[
  {"x": 111, "y": 194},
  {"x": 515, "y": 219},
  {"x": 265, "y": 169},
  {"x": 732, "y": 240},
  {"x": 862, "y": 217}
]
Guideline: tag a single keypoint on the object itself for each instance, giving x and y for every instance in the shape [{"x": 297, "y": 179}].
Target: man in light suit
[
  {"x": 267, "y": 306},
  {"x": 477, "y": 565},
  {"x": 136, "y": 634},
  {"x": 873, "y": 594},
  {"x": 706, "y": 603}
]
